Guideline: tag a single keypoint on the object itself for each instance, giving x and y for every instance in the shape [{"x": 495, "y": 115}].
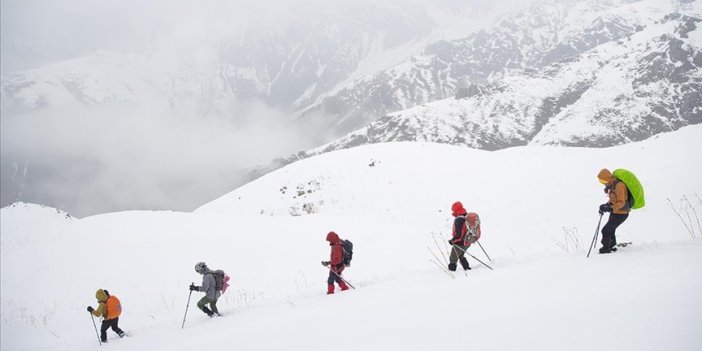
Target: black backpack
[
  {"x": 348, "y": 252},
  {"x": 219, "y": 279}
]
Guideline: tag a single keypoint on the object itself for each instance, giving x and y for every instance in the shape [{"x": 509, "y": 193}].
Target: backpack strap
[{"x": 629, "y": 198}]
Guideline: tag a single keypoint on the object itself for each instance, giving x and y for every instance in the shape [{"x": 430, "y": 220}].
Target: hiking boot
[
  {"x": 330, "y": 289},
  {"x": 605, "y": 250},
  {"x": 452, "y": 267},
  {"x": 208, "y": 312},
  {"x": 343, "y": 286},
  {"x": 121, "y": 334},
  {"x": 464, "y": 264},
  {"x": 613, "y": 249}
]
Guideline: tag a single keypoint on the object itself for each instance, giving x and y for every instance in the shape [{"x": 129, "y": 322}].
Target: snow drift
[{"x": 538, "y": 207}]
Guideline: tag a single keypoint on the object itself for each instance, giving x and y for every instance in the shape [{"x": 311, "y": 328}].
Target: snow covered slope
[{"x": 538, "y": 206}]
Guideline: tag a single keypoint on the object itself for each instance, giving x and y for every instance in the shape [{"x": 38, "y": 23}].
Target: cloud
[
  {"x": 109, "y": 157},
  {"x": 89, "y": 159},
  {"x": 38, "y": 32}
]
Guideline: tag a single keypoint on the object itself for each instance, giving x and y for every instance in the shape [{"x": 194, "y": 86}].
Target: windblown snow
[{"x": 538, "y": 207}]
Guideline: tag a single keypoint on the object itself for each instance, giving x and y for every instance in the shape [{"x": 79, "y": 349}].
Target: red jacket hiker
[
  {"x": 335, "y": 263},
  {"x": 465, "y": 231}
]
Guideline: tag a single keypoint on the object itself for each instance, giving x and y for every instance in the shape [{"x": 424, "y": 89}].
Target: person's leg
[
  {"x": 341, "y": 282},
  {"x": 453, "y": 258},
  {"x": 201, "y": 305},
  {"x": 619, "y": 219},
  {"x": 607, "y": 232},
  {"x": 609, "y": 229},
  {"x": 464, "y": 263},
  {"x": 103, "y": 330},
  {"x": 330, "y": 282},
  {"x": 213, "y": 306},
  {"x": 114, "y": 323}
]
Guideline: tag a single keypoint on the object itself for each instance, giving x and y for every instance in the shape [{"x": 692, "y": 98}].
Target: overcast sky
[
  {"x": 90, "y": 159},
  {"x": 38, "y": 32}
]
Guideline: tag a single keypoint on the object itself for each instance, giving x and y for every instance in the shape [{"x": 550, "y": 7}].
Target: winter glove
[
  {"x": 326, "y": 263},
  {"x": 472, "y": 239},
  {"x": 451, "y": 241},
  {"x": 90, "y": 309},
  {"x": 193, "y": 287},
  {"x": 605, "y": 208}
]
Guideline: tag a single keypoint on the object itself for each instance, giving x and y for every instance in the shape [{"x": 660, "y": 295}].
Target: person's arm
[
  {"x": 457, "y": 229},
  {"x": 337, "y": 257},
  {"x": 100, "y": 311}
]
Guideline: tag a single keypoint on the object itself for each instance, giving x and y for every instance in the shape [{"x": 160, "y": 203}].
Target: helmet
[{"x": 200, "y": 267}]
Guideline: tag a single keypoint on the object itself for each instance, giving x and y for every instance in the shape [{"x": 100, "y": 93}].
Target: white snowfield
[{"x": 538, "y": 207}]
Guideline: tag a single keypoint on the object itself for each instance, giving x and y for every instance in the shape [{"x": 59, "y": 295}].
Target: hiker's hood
[
  {"x": 101, "y": 295},
  {"x": 457, "y": 209},
  {"x": 605, "y": 176},
  {"x": 333, "y": 238}
]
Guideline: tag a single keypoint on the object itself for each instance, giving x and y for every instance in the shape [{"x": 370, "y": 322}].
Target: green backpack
[{"x": 636, "y": 191}]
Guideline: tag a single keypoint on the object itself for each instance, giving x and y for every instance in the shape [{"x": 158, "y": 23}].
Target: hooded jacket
[
  {"x": 209, "y": 286},
  {"x": 109, "y": 307},
  {"x": 336, "y": 259},
  {"x": 616, "y": 190}
]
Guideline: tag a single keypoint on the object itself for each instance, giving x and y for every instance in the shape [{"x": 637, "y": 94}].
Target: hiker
[
  {"x": 209, "y": 287},
  {"x": 618, "y": 205},
  {"x": 466, "y": 230},
  {"x": 336, "y": 263},
  {"x": 109, "y": 308}
]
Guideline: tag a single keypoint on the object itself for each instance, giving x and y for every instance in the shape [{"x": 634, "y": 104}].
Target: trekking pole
[
  {"x": 483, "y": 263},
  {"x": 437, "y": 262},
  {"x": 95, "y": 326},
  {"x": 186, "y": 308},
  {"x": 446, "y": 260},
  {"x": 475, "y": 258},
  {"x": 442, "y": 268},
  {"x": 344, "y": 280},
  {"x": 481, "y": 247},
  {"x": 597, "y": 232}
]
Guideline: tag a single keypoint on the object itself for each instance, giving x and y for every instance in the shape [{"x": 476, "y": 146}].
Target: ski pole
[
  {"x": 95, "y": 326},
  {"x": 342, "y": 278},
  {"x": 594, "y": 239},
  {"x": 186, "y": 308},
  {"x": 475, "y": 258},
  {"x": 481, "y": 247}
]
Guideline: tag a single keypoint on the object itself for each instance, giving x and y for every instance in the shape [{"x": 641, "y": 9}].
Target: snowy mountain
[
  {"x": 219, "y": 83},
  {"x": 578, "y": 73},
  {"x": 595, "y": 73},
  {"x": 538, "y": 208},
  {"x": 105, "y": 78},
  {"x": 285, "y": 61},
  {"x": 534, "y": 67}
]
